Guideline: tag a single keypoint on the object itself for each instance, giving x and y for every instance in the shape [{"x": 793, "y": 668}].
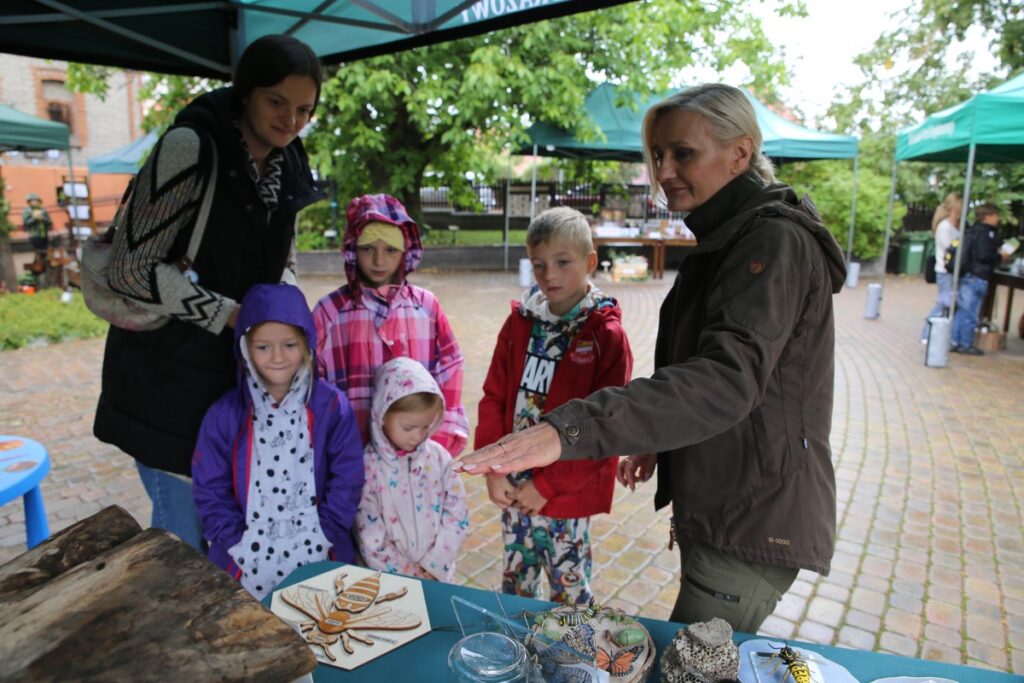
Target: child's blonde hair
[
  {"x": 561, "y": 223},
  {"x": 419, "y": 402},
  {"x": 949, "y": 208}
]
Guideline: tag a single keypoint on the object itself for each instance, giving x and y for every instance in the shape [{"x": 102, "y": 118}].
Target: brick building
[{"x": 37, "y": 87}]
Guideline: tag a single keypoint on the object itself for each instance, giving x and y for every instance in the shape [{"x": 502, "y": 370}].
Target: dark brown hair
[
  {"x": 268, "y": 61},
  {"x": 982, "y": 211}
]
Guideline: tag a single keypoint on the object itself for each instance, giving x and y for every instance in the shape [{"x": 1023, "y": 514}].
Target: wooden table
[
  {"x": 657, "y": 245},
  {"x": 1011, "y": 282}
]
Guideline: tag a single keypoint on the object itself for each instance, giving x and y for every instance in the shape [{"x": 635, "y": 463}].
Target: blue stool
[{"x": 23, "y": 465}]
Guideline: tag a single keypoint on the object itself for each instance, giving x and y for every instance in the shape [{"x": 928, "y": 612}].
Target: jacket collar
[{"x": 708, "y": 220}]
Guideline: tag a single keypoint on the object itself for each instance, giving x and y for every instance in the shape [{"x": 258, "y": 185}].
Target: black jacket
[
  {"x": 157, "y": 385},
  {"x": 740, "y": 404},
  {"x": 981, "y": 251}
]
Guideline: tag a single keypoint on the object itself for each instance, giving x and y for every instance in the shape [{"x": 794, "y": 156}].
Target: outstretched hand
[
  {"x": 636, "y": 468},
  {"x": 536, "y": 446}
]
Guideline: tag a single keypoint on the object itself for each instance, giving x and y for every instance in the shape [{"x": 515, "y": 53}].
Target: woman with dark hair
[
  {"x": 157, "y": 385},
  {"x": 739, "y": 407}
]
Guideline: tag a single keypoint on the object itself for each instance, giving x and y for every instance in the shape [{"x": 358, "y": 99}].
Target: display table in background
[
  {"x": 24, "y": 464},
  {"x": 426, "y": 659},
  {"x": 654, "y": 246},
  {"x": 1011, "y": 282}
]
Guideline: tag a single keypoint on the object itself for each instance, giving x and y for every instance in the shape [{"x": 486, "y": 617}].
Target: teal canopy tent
[
  {"x": 620, "y": 139},
  {"x": 127, "y": 159},
  {"x": 205, "y": 38},
  {"x": 988, "y": 127},
  {"x": 19, "y": 131}
]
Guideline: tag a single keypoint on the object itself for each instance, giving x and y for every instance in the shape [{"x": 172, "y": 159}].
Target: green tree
[
  {"x": 384, "y": 122},
  {"x": 923, "y": 67}
]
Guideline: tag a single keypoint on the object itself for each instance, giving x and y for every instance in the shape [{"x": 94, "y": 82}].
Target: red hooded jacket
[{"x": 599, "y": 356}]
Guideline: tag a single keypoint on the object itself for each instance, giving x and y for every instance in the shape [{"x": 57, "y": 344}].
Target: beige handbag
[{"x": 113, "y": 307}]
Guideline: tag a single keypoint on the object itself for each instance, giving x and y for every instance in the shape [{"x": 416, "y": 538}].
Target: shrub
[{"x": 25, "y": 318}]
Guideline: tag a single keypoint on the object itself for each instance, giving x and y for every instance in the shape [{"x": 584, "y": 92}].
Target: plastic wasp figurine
[
  {"x": 337, "y": 617},
  {"x": 796, "y": 665}
]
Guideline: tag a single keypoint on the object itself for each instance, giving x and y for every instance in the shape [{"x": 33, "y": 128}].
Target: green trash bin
[{"x": 912, "y": 252}]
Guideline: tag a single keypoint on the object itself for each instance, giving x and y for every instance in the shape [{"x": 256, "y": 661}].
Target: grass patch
[
  {"x": 25, "y": 318},
  {"x": 471, "y": 238}
]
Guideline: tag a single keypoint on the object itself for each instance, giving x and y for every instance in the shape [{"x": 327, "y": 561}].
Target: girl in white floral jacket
[{"x": 412, "y": 517}]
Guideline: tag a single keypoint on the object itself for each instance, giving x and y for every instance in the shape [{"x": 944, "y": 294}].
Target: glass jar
[{"x": 488, "y": 658}]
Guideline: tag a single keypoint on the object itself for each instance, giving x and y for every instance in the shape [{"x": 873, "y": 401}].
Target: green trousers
[{"x": 714, "y": 584}]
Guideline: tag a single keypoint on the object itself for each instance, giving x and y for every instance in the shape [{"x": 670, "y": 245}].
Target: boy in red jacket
[{"x": 564, "y": 340}]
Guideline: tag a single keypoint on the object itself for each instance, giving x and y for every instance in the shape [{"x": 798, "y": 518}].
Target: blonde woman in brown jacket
[{"x": 739, "y": 407}]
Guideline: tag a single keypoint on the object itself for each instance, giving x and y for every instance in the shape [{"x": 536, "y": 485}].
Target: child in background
[
  {"x": 278, "y": 468},
  {"x": 379, "y": 315},
  {"x": 412, "y": 517},
  {"x": 564, "y": 340}
]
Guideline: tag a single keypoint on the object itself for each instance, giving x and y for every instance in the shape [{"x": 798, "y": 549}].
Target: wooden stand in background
[{"x": 104, "y": 601}]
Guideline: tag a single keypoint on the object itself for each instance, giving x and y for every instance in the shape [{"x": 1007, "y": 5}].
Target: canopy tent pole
[
  {"x": 533, "y": 185},
  {"x": 853, "y": 213},
  {"x": 963, "y": 231},
  {"x": 888, "y": 220},
  {"x": 508, "y": 184},
  {"x": 73, "y": 213}
]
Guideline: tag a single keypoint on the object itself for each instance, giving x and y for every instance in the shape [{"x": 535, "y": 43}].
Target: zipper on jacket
[{"x": 415, "y": 528}]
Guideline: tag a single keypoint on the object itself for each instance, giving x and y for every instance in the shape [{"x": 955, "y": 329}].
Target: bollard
[
  {"x": 936, "y": 354},
  {"x": 852, "y": 275},
  {"x": 525, "y": 272},
  {"x": 874, "y": 303}
]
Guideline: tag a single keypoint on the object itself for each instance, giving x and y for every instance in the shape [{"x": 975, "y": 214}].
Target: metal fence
[{"x": 615, "y": 202}]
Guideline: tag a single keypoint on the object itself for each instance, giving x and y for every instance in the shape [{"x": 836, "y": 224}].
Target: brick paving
[{"x": 928, "y": 468}]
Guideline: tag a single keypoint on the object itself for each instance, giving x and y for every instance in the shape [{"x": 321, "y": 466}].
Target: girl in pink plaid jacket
[{"x": 379, "y": 315}]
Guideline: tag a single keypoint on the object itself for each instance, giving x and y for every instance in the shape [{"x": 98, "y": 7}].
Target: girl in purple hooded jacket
[{"x": 278, "y": 468}]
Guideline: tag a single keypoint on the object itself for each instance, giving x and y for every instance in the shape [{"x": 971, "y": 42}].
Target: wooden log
[
  {"x": 150, "y": 609},
  {"x": 76, "y": 544}
]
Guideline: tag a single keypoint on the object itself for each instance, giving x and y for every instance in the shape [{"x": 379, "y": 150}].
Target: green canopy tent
[
  {"x": 25, "y": 133},
  {"x": 989, "y": 127},
  {"x": 621, "y": 126},
  {"x": 127, "y": 159},
  {"x": 205, "y": 38}
]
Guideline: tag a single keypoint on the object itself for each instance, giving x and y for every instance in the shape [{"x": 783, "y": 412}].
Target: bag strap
[{"x": 185, "y": 262}]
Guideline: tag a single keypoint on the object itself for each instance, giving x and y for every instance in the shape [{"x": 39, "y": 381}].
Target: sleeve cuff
[{"x": 573, "y": 431}]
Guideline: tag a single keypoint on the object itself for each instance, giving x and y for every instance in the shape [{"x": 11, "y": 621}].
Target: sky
[{"x": 820, "y": 47}]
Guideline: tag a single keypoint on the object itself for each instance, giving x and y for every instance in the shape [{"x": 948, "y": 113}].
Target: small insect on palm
[{"x": 337, "y": 617}]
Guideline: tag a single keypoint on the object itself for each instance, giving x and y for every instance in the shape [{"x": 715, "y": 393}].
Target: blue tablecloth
[{"x": 426, "y": 659}]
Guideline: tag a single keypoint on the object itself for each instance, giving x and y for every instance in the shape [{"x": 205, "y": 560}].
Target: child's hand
[
  {"x": 636, "y": 468},
  {"x": 424, "y": 574},
  {"x": 500, "y": 490},
  {"x": 528, "y": 499}
]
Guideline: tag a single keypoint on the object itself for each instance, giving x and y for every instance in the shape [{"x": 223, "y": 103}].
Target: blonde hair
[
  {"x": 945, "y": 210},
  {"x": 730, "y": 115},
  {"x": 419, "y": 402},
  {"x": 561, "y": 223}
]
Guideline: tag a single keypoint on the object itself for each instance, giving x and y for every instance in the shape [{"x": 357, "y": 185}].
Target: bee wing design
[
  {"x": 384, "y": 619},
  {"x": 312, "y": 602}
]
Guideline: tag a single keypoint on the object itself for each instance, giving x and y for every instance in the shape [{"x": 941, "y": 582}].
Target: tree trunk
[
  {"x": 8, "y": 275},
  {"x": 148, "y": 609},
  {"x": 64, "y": 551}
]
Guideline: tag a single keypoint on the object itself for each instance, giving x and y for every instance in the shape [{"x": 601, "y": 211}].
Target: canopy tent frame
[
  {"x": 112, "y": 36},
  {"x": 803, "y": 144},
  {"x": 992, "y": 130},
  {"x": 27, "y": 140}
]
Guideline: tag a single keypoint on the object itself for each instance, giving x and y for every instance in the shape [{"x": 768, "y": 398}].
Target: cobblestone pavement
[{"x": 928, "y": 465}]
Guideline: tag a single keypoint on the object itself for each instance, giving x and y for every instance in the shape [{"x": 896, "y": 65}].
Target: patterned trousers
[{"x": 560, "y": 548}]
